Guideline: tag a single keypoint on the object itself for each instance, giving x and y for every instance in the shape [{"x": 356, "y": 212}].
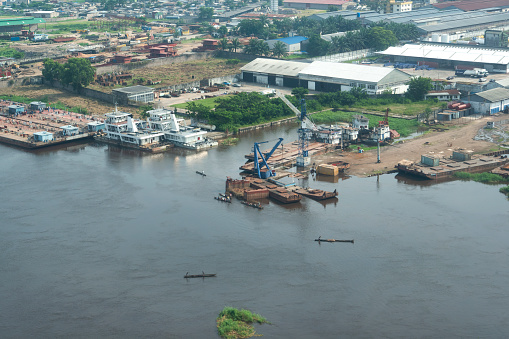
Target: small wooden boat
[
  {"x": 252, "y": 204},
  {"x": 201, "y": 173},
  {"x": 333, "y": 240},
  {"x": 223, "y": 199},
  {"x": 203, "y": 275}
]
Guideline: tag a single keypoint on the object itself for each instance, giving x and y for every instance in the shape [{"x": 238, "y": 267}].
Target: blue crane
[{"x": 258, "y": 166}]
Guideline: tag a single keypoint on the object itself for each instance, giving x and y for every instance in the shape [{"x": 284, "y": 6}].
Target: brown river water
[{"x": 95, "y": 242}]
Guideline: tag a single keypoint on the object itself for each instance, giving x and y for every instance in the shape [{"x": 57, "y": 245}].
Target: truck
[
  {"x": 476, "y": 73},
  {"x": 41, "y": 37}
]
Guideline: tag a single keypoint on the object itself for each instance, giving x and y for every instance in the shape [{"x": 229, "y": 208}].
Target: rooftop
[
  {"x": 28, "y": 20},
  {"x": 321, "y": 2},
  {"x": 471, "y": 5},
  {"x": 353, "y": 72},
  {"x": 134, "y": 89},
  {"x": 272, "y": 66},
  {"x": 495, "y": 94},
  {"x": 291, "y": 40},
  {"x": 451, "y": 52}
]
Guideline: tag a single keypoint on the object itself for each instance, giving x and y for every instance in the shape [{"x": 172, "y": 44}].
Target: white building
[{"x": 490, "y": 101}]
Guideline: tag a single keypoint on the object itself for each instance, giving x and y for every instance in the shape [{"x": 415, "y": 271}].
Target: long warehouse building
[
  {"x": 325, "y": 76},
  {"x": 494, "y": 60}
]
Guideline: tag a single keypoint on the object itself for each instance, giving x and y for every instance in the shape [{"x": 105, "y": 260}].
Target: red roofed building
[
  {"x": 317, "y": 4},
  {"x": 473, "y": 5},
  {"x": 163, "y": 51}
]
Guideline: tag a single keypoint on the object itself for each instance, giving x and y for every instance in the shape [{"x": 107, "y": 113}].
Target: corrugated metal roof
[
  {"x": 291, "y": 40},
  {"x": 503, "y": 82},
  {"x": 448, "y": 52},
  {"x": 495, "y": 94},
  {"x": 272, "y": 66},
  {"x": 343, "y": 71},
  {"x": 471, "y": 5},
  {"x": 134, "y": 89},
  {"x": 467, "y": 21}
]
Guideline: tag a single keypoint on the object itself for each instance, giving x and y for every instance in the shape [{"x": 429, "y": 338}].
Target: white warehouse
[{"x": 326, "y": 76}]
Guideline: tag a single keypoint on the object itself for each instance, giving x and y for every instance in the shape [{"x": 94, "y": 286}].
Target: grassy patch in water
[
  {"x": 233, "y": 323},
  {"x": 486, "y": 178},
  {"x": 505, "y": 190}
]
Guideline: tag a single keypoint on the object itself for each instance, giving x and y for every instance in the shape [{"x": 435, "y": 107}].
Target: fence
[{"x": 340, "y": 57}]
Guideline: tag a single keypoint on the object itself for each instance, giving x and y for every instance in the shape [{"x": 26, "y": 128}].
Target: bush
[{"x": 233, "y": 323}]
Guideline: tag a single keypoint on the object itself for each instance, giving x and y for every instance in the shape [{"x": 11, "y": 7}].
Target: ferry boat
[
  {"x": 122, "y": 129},
  {"x": 176, "y": 131}
]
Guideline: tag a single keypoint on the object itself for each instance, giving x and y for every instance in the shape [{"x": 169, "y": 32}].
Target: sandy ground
[{"x": 437, "y": 143}]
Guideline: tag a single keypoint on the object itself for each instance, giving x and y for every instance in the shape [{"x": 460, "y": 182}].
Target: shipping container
[
  {"x": 430, "y": 160},
  {"x": 461, "y": 156},
  {"x": 15, "y": 38},
  {"x": 326, "y": 169}
]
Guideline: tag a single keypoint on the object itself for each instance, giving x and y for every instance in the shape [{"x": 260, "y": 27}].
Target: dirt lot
[
  {"x": 67, "y": 98},
  {"x": 180, "y": 73},
  {"x": 437, "y": 143}
]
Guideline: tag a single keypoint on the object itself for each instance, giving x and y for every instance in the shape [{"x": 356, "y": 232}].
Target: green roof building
[{"x": 17, "y": 24}]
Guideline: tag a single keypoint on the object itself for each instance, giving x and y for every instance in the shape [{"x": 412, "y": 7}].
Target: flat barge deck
[
  {"x": 448, "y": 167},
  {"x": 285, "y": 155}
]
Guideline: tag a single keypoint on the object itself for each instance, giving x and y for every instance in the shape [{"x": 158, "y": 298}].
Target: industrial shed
[
  {"x": 332, "y": 76},
  {"x": 325, "y": 76},
  {"x": 273, "y": 72},
  {"x": 316, "y": 4},
  {"x": 490, "y": 101},
  {"x": 134, "y": 93},
  {"x": 292, "y": 44},
  {"x": 494, "y": 60}
]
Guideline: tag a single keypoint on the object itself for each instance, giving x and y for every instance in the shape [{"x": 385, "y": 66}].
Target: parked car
[
  {"x": 450, "y": 78},
  {"x": 237, "y": 85},
  {"x": 482, "y": 79}
]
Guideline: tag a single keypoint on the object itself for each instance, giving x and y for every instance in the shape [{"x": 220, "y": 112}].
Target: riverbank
[{"x": 438, "y": 143}]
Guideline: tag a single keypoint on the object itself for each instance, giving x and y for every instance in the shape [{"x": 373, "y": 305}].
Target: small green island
[{"x": 233, "y": 323}]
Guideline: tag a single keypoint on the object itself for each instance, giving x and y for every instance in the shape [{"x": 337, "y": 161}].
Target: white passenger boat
[{"x": 176, "y": 131}]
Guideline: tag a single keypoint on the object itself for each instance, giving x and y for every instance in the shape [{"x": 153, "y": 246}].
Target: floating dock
[
  {"x": 445, "y": 168},
  {"x": 54, "y": 126},
  {"x": 286, "y": 155}
]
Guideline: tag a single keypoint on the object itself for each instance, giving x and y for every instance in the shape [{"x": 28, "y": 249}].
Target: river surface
[{"x": 95, "y": 242}]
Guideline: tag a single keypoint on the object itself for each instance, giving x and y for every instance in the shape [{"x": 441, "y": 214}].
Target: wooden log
[{"x": 333, "y": 240}]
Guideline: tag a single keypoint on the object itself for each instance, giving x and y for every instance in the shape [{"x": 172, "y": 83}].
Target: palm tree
[
  {"x": 252, "y": 47},
  {"x": 279, "y": 50},
  {"x": 263, "y": 48},
  {"x": 223, "y": 44},
  {"x": 235, "y": 44}
]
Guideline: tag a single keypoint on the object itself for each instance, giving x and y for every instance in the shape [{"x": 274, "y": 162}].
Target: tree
[
  {"x": 381, "y": 39},
  {"x": 417, "y": 88},
  {"x": 279, "y": 50},
  {"x": 317, "y": 46},
  {"x": 206, "y": 13},
  {"x": 143, "y": 110},
  {"x": 52, "y": 70},
  {"x": 300, "y": 92},
  {"x": 223, "y": 30},
  {"x": 235, "y": 44},
  {"x": 77, "y": 72},
  {"x": 223, "y": 44},
  {"x": 332, "y": 8}
]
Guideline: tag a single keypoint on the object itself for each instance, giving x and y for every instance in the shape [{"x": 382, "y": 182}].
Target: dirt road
[{"x": 437, "y": 143}]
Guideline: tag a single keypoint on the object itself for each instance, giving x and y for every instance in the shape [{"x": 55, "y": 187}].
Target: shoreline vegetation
[
  {"x": 233, "y": 323},
  {"x": 485, "y": 178}
]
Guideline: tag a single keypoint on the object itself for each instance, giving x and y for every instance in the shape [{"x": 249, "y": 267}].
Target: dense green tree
[
  {"x": 251, "y": 27},
  {"x": 417, "y": 88},
  {"x": 279, "y": 50},
  {"x": 380, "y": 39},
  {"x": 52, "y": 70},
  {"x": 77, "y": 72},
  {"x": 223, "y": 30},
  {"x": 223, "y": 44},
  {"x": 300, "y": 92},
  {"x": 317, "y": 46},
  {"x": 206, "y": 13}
]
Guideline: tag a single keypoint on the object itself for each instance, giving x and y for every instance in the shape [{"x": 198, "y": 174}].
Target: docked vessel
[
  {"x": 176, "y": 132},
  {"x": 283, "y": 195},
  {"x": 316, "y": 194},
  {"x": 122, "y": 129}
]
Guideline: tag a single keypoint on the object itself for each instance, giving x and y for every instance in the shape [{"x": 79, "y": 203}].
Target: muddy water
[{"x": 95, "y": 242}]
